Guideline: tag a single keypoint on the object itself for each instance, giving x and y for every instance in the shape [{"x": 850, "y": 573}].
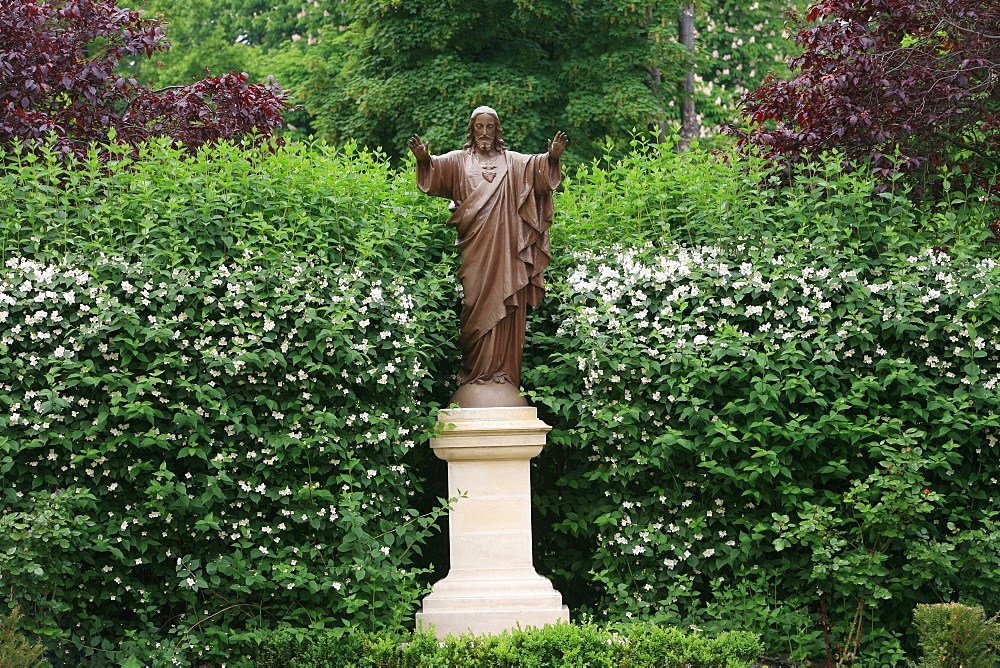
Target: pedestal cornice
[{"x": 489, "y": 434}]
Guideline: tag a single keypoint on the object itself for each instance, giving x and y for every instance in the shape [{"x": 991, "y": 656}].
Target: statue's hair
[{"x": 470, "y": 136}]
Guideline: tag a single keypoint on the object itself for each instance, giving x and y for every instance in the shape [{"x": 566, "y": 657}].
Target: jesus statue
[{"x": 501, "y": 203}]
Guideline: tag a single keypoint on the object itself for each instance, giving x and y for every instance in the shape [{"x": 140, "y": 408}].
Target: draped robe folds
[{"x": 503, "y": 234}]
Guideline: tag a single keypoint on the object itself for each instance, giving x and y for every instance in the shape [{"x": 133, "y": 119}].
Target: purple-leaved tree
[
  {"x": 912, "y": 85},
  {"x": 59, "y": 79}
]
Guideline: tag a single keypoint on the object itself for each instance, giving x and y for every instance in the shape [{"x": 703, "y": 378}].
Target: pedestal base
[
  {"x": 492, "y": 602},
  {"x": 492, "y": 585}
]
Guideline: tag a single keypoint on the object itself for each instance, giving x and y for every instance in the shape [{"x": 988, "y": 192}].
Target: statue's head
[{"x": 484, "y": 131}]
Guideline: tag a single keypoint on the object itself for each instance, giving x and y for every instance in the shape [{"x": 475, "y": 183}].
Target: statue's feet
[{"x": 488, "y": 395}]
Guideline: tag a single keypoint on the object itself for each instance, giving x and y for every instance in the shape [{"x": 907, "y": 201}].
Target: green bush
[
  {"x": 953, "y": 635},
  {"x": 773, "y": 408},
  {"x": 39, "y": 548},
  {"x": 235, "y": 418},
  {"x": 776, "y": 429},
  {"x": 15, "y": 650},
  {"x": 755, "y": 436},
  {"x": 562, "y": 646},
  {"x": 335, "y": 207}
]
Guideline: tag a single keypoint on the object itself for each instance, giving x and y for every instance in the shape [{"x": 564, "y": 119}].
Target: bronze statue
[{"x": 502, "y": 207}]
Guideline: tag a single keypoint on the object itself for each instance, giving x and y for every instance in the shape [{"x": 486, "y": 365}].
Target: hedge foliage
[
  {"x": 790, "y": 429},
  {"x": 213, "y": 371},
  {"x": 769, "y": 435},
  {"x": 774, "y": 408},
  {"x": 563, "y": 645},
  {"x": 952, "y": 634}
]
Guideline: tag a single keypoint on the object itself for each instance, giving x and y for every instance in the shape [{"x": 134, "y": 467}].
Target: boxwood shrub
[{"x": 563, "y": 645}]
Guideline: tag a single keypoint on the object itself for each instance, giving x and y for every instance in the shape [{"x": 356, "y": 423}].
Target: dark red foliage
[
  {"x": 877, "y": 77},
  {"x": 59, "y": 78}
]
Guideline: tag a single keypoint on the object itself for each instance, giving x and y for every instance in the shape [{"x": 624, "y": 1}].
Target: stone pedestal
[{"x": 492, "y": 584}]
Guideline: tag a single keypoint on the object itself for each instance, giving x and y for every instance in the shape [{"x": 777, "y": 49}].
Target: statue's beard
[{"x": 484, "y": 145}]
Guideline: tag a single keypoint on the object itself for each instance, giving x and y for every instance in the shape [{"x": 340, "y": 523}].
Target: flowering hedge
[
  {"x": 217, "y": 434},
  {"x": 774, "y": 410},
  {"x": 796, "y": 440}
]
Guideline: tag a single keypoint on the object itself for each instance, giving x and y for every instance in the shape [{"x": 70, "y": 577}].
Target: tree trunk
[
  {"x": 655, "y": 83},
  {"x": 690, "y": 127}
]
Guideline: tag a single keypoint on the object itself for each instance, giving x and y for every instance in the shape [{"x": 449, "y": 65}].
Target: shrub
[
  {"x": 235, "y": 386},
  {"x": 39, "y": 555},
  {"x": 773, "y": 408},
  {"x": 789, "y": 429},
  {"x": 563, "y": 645},
  {"x": 953, "y": 635},
  {"x": 789, "y": 422},
  {"x": 15, "y": 650}
]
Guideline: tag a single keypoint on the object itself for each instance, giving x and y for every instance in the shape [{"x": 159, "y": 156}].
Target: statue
[{"x": 501, "y": 203}]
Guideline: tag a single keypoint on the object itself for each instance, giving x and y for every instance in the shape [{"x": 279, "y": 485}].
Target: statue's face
[{"x": 484, "y": 128}]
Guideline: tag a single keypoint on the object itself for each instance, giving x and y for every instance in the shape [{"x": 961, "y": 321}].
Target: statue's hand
[
  {"x": 420, "y": 150},
  {"x": 557, "y": 145}
]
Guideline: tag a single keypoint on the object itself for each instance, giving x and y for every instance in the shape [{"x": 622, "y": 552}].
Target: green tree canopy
[
  {"x": 738, "y": 44},
  {"x": 586, "y": 67},
  {"x": 375, "y": 72},
  {"x": 222, "y": 35}
]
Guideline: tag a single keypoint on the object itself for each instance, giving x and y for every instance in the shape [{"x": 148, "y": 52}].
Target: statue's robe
[{"x": 503, "y": 234}]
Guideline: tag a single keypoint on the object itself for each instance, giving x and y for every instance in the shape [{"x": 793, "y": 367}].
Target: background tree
[
  {"x": 690, "y": 123},
  {"x": 202, "y": 37},
  {"x": 286, "y": 40},
  {"x": 737, "y": 44},
  {"x": 59, "y": 78},
  {"x": 606, "y": 70},
  {"x": 221, "y": 35},
  {"x": 911, "y": 85},
  {"x": 586, "y": 67}
]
